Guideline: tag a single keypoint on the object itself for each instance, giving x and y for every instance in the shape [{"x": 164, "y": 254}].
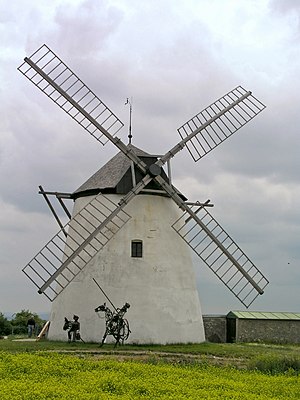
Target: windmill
[{"x": 131, "y": 229}]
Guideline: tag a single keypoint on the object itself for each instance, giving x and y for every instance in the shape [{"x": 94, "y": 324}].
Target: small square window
[{"x": 136, "y": 248}]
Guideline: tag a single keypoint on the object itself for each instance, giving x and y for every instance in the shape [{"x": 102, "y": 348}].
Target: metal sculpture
[
  {"x": 58, "y": 263},
  {"x": 115, "y": 323},
  {"x": 73, "y": 328}
]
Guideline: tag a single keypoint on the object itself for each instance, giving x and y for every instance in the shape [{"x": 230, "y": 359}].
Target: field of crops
[{"x": 49, "y": 374}]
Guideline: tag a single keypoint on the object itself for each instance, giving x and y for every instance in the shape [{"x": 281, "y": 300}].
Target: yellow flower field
[{"x": 41, "y": 376}]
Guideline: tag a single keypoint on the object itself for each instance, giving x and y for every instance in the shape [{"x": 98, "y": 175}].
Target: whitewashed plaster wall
[{"x": 160, "y": 287}]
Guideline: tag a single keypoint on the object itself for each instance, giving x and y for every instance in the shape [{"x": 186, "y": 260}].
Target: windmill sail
[
  {"x": 220, "y": 120},
  {"x": 61, "y": 259},
  {"x": 221, "y": 254},
  {"x": 51, "y": 75}
]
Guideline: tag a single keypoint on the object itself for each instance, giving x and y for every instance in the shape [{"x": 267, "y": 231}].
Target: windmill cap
[{"x": 116, "y": 176}]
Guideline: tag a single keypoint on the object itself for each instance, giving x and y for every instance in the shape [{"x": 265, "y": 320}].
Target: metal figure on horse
[{"x": 115, "y": 323}]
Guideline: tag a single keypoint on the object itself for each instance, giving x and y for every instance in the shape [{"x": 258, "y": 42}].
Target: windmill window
[{"x": 136, "y": 248}]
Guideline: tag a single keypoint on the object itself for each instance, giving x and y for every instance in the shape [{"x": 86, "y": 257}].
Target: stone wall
[
  {"x": 215, "y": 328},
  {"x": 276, "y": 331}
]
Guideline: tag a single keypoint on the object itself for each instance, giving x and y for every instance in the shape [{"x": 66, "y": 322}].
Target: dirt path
[{"x": 157, "y": 357}]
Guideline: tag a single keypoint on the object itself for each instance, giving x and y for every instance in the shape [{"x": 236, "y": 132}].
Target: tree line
[{"x": 18, "y": 324}]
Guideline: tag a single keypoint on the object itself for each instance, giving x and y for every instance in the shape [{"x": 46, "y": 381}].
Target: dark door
[{"x": 231, "y": 330}]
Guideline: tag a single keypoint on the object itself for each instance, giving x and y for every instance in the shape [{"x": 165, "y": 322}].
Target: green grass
[
  {"x": 233, "y": 350},
  {"x": 264, "y": 357}
]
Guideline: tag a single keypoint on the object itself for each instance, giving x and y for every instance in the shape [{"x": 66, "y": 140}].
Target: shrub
[
  {"x": 5, "y": 326},
  {"x": 276, "y": 364}
]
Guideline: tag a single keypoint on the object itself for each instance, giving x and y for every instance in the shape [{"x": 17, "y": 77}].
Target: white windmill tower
[{"x": 131, "y": 229}]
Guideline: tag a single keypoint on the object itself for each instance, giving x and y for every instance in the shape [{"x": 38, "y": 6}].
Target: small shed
[{"x": 253, "y": 326}]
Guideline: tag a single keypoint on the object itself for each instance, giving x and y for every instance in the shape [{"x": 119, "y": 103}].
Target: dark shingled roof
[
  {"x": 115, "y": 175},
  {"x": 111, "y": 173}
]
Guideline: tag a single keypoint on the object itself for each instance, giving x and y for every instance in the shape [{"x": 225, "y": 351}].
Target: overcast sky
[{"x": 173, "y": 58}]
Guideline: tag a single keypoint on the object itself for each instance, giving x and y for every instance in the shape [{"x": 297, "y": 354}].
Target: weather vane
[{"x": 130, "y": 113}]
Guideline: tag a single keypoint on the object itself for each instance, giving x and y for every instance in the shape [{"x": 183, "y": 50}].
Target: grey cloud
[
  {"x": 284, "y": 5},
  {"x": 83, "y": 21}
]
